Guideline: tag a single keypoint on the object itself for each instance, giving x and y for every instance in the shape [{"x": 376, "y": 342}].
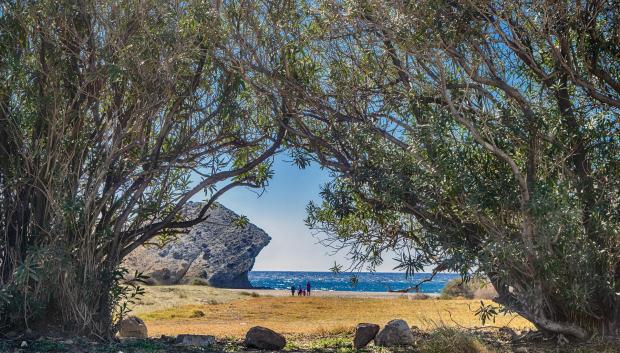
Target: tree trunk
[{"x": 606, "y": 326}]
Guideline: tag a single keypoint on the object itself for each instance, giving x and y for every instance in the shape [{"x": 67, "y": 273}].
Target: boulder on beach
[
  {"x": 217, "y": 252},
  {"x": 132, "y": 327},
  {"x": 395, "y": 333},
  {"x": 264, "y": 338},
  {"x": 364, "y": 333}
]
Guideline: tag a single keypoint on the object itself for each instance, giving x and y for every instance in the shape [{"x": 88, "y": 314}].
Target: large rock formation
[{"x": 216, "y": 252}]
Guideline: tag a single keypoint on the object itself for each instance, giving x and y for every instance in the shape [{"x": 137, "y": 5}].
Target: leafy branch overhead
[
  {"x": 112, "y": 117},
  {"x": 464, "y": 136},
  {"x": 471, "y": 137}
]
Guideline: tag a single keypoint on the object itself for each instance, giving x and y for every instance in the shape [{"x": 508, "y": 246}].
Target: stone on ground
[
  {"x": 395, "y": 333},
  {"x": 264, "y": 338},
  {"x": 195, "y": 340},
  {"x": 364, "y": 333},
  {"x": 132, "y": 327}
]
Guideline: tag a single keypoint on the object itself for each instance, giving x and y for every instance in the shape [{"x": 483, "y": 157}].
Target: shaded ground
[{"x": 454, "y": 342}]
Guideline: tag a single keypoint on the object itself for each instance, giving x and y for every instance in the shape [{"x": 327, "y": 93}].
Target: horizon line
[{"x": 324, "y": 271}]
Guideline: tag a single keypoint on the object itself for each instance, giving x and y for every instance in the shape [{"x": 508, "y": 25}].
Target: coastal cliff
[{"x": 216, "y": 252}]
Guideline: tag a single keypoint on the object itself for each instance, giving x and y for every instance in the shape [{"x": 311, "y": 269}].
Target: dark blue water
[{"x": 367, "y": 281}]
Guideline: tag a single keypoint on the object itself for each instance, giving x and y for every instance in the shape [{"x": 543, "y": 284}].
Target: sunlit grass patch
[
  {"x": 450, "y": 340},
  {"x": 233, "y": 313},
  {"x": 339, "y": 339}
]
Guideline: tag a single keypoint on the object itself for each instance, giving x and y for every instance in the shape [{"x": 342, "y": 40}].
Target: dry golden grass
[
  {"x": 164, "y": 297},
  {"x": 175, "y": 310}
]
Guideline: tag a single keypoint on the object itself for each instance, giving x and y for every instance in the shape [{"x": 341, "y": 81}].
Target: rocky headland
[{"x": 217, "y": 252}]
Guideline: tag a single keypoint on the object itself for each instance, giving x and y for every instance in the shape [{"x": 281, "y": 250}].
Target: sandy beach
[{"x": 337, "y": 294}]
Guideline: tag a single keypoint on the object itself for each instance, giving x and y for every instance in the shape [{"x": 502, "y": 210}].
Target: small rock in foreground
[
  {"x": 195, "y": 340},
  {"x": 395, "y": 333},
  {"x": 264, "y": 338},
  {"x": 364, "y": 333},
  {"x": 132, "y": 327}
]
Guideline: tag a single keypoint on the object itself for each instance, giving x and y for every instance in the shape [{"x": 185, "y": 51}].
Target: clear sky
[{"x": 280, "y": 211}]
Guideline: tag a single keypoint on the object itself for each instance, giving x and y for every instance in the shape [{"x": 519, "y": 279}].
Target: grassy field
[
  {"x": 318, "y": 324},
  {"x": 229, "y": 313}
]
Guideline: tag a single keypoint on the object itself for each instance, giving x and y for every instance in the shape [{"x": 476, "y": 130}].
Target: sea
[{"x": 366, "y": 281}]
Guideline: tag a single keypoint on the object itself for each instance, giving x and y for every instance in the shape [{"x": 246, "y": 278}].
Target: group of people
[{"x": 300, "y": 290}]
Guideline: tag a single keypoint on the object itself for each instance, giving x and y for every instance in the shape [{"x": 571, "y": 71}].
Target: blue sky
[{"x": 281, "y": 211}]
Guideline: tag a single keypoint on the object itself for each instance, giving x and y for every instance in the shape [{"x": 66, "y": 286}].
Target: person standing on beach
[
  {"x": 308, "y": 288},
  {"x": 299, "y": 292},
  {"x": 293, "y": 290}
]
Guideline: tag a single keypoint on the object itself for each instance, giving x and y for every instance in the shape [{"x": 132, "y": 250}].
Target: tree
[
  {"x": 112, "y": 116},
  {"x": 473, "y": 136}
]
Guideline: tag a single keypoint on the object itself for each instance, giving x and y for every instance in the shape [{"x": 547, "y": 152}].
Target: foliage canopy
[
  {"x": 471, "y": 136},
  {"x": 112, "y": 116}
]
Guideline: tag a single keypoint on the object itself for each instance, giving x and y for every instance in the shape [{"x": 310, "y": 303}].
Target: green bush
[
  {"x": 478, "y": 288},
  {"x": 457, "y": 288},
  {"x": 197, "y": 314},
  {"x": 199, "y": 282}
]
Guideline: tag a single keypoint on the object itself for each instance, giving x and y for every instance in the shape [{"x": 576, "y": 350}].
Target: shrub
[
  {"x": 252, "y": 294},
  {"x": 449, "y": 340},
  {"x": 197, "y": 314},
  {"x": 199, "y": 282},
  {"x": 456, "y": 288},
  {"x": 106, "y": 163},
  {"x": 477, "y": 288}
]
